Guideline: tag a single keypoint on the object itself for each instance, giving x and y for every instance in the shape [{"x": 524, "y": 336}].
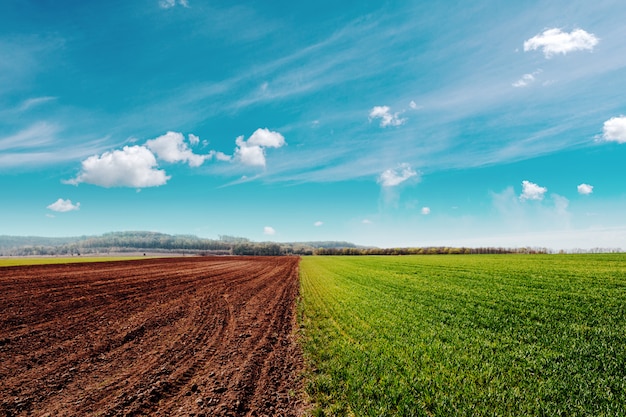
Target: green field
[
  {"x": 469, "y": 335},
  {"x": 10, "y": 261}
]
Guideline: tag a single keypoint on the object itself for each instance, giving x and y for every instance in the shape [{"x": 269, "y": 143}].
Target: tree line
[{"x": 153, "y": 242}]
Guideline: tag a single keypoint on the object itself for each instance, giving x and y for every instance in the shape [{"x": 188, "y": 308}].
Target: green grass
[
  {"x": 471, "y": 335},
  {"x": 68, "y": 260}
]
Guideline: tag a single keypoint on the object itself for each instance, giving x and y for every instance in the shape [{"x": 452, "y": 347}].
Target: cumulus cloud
[
  {"x": 614, "y": 130},
  {"x": 63, "y": 206},
  {"x": 318, "y": 223},
  {"x": 266, "y": 138},
  {"x": 171, "y": 147},
  {"x": 221, "y": 156},
  {"x": 268, "y": 230},
  {"x": 394, "y": 177},
  {"x": 532, "y": 191},
  {"x": 386, "y": 117},
  {"x": 133, "y": 166},
  {"x": 136, "y": 166},
  {"x": 425, "y": 211},
  {"x": 193, "y": 139},
  {"x": 585, "y": 189},
  {"x": 252, "y": 151},
  {"x": 249, "y": 155},
  {"x": 554, "y": 41}
]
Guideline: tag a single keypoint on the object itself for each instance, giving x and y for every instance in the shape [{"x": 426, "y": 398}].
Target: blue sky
[{"x": 398, "y": 123}]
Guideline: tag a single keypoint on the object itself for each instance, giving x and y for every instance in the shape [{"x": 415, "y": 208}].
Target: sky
[{"x": 388, "y": 123}]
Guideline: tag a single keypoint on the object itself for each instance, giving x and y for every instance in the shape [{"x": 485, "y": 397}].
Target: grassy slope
[{"x": 466, "y": 335}]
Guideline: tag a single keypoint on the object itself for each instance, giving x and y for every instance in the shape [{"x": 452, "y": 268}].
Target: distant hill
[{"x": 141, "y": 241}]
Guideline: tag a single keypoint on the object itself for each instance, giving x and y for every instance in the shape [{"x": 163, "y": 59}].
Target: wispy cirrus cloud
[
  {"x": 34, "y": 102},
  {"x": 36, "y": 135},
  {"x": 395, "y": 177}
]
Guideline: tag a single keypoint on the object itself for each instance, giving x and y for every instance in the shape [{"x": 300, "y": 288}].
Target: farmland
[
  {"x": 21, "y": 261},
  {"x": 468, "y": 335},
  {"x": 175, "y": 336},
  {"x": 465, "y": 335}
]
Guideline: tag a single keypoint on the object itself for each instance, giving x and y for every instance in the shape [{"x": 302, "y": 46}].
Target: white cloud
[
  {"x": 249, "y": 155},
  {"x": 614, "y": 129},
  {"x": 524, "y": 81},
  {"x": 527, "y": 79},
  {"x": 554, "y": 41},
  {"x": 318, "y": 223},
  {"x": 252, "y": 151},
  {"x": 413, "y": 105},
  {"x": 193, "y": 139},
  {"x": 585, "y": 189},
  {"x": 167, "y": 4},
  {"x": 266, "y": 138},
  {"x": 171, "y": 147},
  {"x": 268, "y": 230},
  {"x": 425, "y": 211},
  {"x": 386, "y": 118},
  {"x": 34, "y": 136},
  {"x": 394, "y": 177},
  {"x": 532, "y": 191},
  {"x": 221, "y": 156},
  {"x": 366, "y": 221},
  {"x": 32, "y": 102},
  {"x": 133, "y": 166},
  {"x": 63, "y": 206}
]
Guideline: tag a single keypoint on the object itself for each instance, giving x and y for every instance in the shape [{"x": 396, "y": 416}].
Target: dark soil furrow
[{"x": 174, "y": 336}]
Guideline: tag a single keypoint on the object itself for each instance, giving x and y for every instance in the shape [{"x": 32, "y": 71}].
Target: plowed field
[{"x": 191, "y": 336}]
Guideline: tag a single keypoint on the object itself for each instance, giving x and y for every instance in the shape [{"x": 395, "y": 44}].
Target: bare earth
[{"x": 160, "y": 337}]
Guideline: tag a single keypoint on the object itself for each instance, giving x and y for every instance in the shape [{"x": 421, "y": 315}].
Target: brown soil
[{"x": 160, "y": 337}]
